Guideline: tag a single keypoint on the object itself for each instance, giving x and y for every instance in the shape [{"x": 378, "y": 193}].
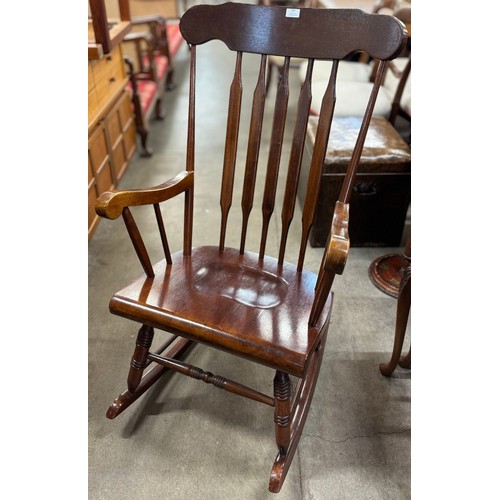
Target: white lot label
[{"x": 292, "y": 12}]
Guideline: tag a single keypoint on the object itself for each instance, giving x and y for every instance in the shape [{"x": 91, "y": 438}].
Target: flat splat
[{"x": 248, "y": 286}]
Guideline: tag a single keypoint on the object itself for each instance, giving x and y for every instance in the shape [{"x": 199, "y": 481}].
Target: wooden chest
[{"x": 381, "y": 193}]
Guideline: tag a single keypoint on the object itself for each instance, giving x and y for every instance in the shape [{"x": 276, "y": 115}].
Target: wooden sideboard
[{"x": 111, "y": 127}]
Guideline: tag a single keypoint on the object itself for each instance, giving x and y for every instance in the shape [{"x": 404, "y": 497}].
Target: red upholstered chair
[
  {"x": 166, "y": 39},
  {"x": 155, "y": 28},
  {"x": 146, "y": 98},
  {"x": 174, "y": 36}
]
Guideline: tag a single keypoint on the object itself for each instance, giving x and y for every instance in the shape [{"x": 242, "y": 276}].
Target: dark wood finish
[
  {"x": 144, "y": 113},
  {"x": 386, "y": 272},
  {"x": 381, "y": 191},
  {"x": 156, "y": 26},
  {"x": 402, "y": 314},
  {"x": 252, "y": 305},
  {"x": 254, "y": 139},
  {"x": 316, "y": 166},
  {"x": 396, "y": 109},
  {"x": 175, "y": 348},
  {"x": 392, "y": 274},
  {"x": 278, "y": 129},
  {"x": 209, "y": 378},
  {"x": 104, "y": 35},
  {"x": 235, "y": 302},
  {"x": 233, "y": 125},
  {"x": 282, "y": 418}
]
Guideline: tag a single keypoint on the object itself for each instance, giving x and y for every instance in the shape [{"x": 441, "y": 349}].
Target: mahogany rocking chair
[{"x": 253, "y": 305}]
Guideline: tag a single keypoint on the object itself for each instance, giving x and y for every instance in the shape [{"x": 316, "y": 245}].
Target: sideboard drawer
[{"x": 109, "y": 76}]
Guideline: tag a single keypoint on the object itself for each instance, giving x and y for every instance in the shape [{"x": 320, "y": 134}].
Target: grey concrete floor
[{"x": 186, "y": 440}]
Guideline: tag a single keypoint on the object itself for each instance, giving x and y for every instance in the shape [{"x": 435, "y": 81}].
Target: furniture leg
[
  {"x": 143, "y": 134},
  {"x": 405, "y": 361},
  {"x": 302, "y": 402},
  {"x": 282, "y": 418},
  {"x": 160, "y": 115},
  {"x": 175, "y": 350},
  {"x": 140, "y": 357},
  {"x": 403, "y": 310},
  {"x": 169, "y": 84}
]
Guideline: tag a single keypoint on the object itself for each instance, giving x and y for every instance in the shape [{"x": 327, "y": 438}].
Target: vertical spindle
[
  {"x": 233, "y": 125},
  {"x": 292, "y": 180},
  {"x": 319, "y": 151},
  {"x": 255, "y": 134},
  {"x": 276, "y": 144},
  {"x": 189, "y": 196}
]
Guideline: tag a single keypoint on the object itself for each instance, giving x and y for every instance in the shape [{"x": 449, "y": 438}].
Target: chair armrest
[
  {"x": 144, "y": 44},
  {"x": 111, "y": 203},
  {"x": 338, "y": 246}
]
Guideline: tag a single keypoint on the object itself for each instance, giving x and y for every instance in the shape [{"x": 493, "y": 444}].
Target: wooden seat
[
  {"x": 231, "y": 301},
  {"x": 258, "y": 306}
]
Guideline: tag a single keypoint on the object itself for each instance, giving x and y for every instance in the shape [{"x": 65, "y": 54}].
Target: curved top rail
[{"x": 305, "y": 32}]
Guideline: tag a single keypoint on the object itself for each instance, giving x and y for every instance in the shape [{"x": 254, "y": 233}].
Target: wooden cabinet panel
[
  {"x": 114, "y": 127},
  {"x": 91, "y": 76},
  {"x": 98, "y": 149},
  {"x": 91, "y": 172},
  {"x": 121, "y": 132},
  {"x": 119, "y": 159},
  {"x": 93, "y": 217},
  {"x": 101, "y": 164},
  {"x": 112, "y": 135},
  {"x": 93, "y": 105},
  {"x": 129, "y": 142}
]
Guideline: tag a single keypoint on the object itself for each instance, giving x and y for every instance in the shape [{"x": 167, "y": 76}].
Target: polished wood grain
[
  {"x": 275, "y": 146},
  {"x": 267, "y": 30},
  {"x": 402, "y": 314},
  {"x": 251, "y": 305},
  {"x": 297, "y": 150},
  {"x": 233, "y": 125},
  {"x": 255, "y": 309},
  {"x": 254, "y": 138},
  {"x": 319, "y": 152}
]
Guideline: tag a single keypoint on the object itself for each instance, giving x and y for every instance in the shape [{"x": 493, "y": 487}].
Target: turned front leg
[
  {"x": 140, "y": 358},
  {"x": 402, "y": 313},
  {"x": 282, "y": 417}
]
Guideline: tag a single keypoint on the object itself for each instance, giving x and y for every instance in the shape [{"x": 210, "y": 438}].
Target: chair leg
[
  {"x": 169, "y": 84},
  {"x": 405, "y": 361},
  {"x": 140, "y": 357},
  {"x": 402, "y": 313},
  {"x": 288, "y": 436},
  {"x": 175, "y": 350},
  {"x": 282, "y": 419},
  {"x": 143, "y": 134},
  {"x": 159, "y": 113}
]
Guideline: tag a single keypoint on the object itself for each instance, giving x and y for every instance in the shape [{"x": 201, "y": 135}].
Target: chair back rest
[{"x": 326, "y": 34}]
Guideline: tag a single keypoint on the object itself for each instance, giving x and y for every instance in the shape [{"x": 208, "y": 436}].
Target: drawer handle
[
  {"x": 366, "y": 188},
  {"x": 112, "y": 79}
]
